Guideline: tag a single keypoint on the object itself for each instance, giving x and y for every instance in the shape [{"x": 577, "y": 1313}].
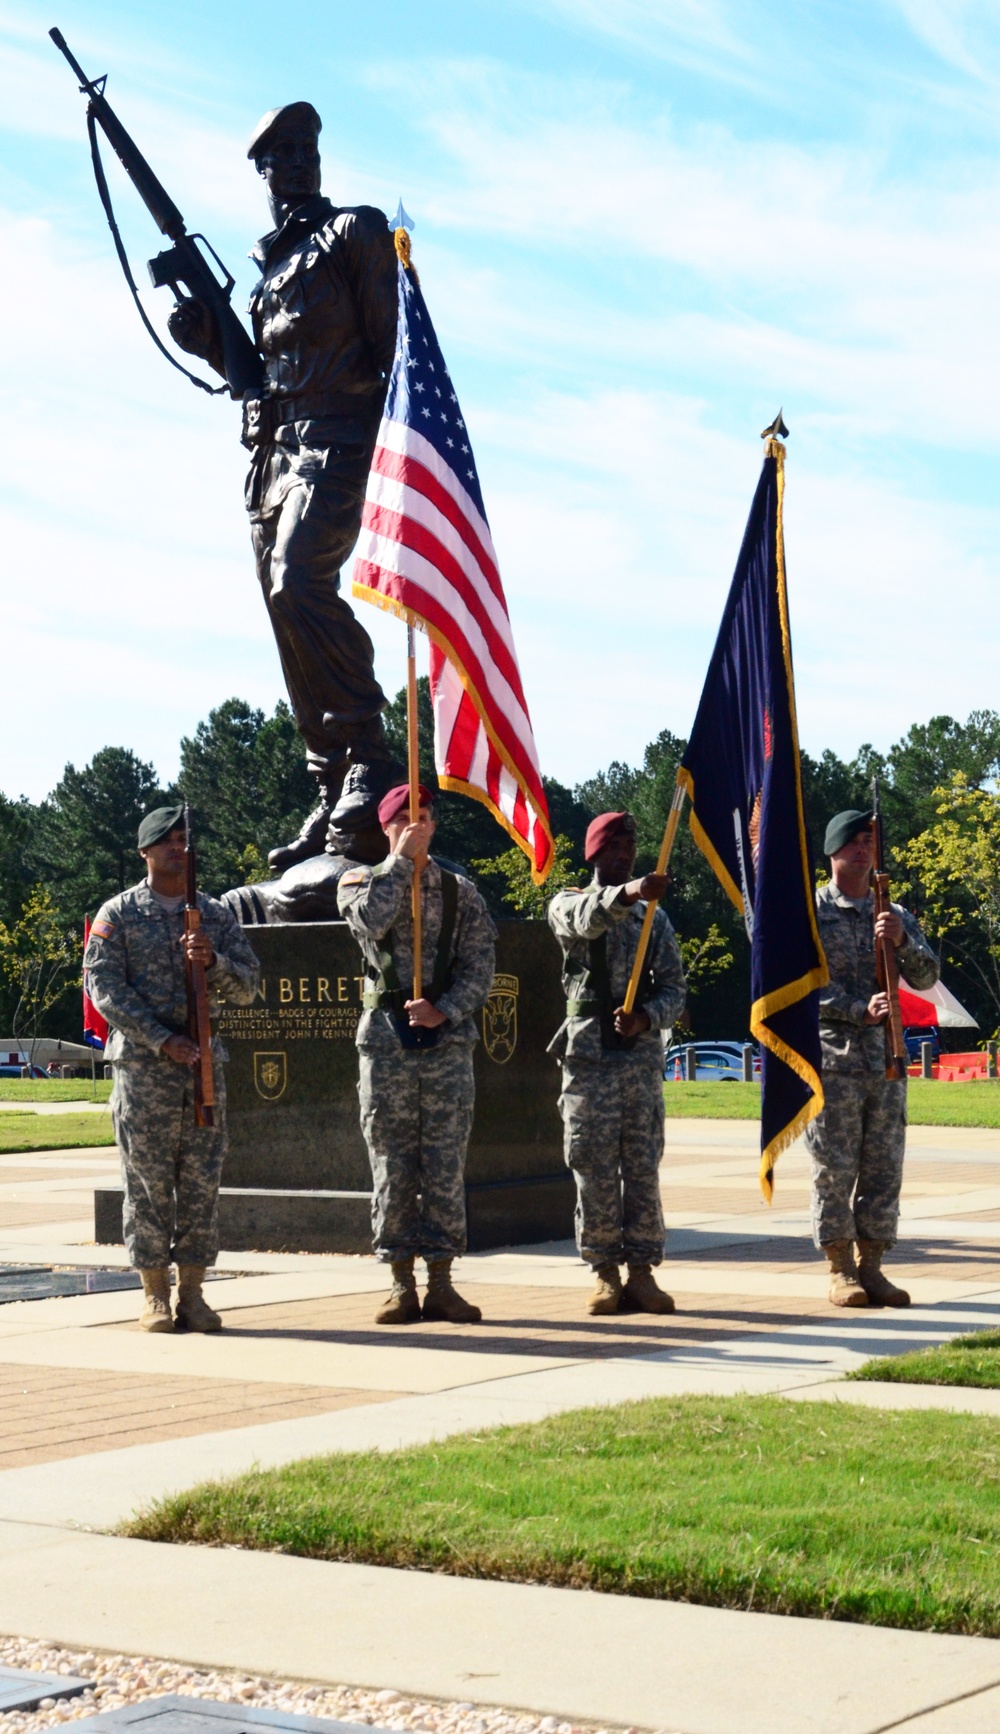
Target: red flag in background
[{"x": 95, "y": 1030}]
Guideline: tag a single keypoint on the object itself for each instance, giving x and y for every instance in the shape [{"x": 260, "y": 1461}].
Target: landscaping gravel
[{"x": 120, "y": 1680}]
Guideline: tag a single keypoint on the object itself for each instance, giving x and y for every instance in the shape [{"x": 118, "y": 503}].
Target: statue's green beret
[
  {"x": 844, "y": 826},
  {"x": 159, "y": 824},
  {"x": 298, "y": 112}
]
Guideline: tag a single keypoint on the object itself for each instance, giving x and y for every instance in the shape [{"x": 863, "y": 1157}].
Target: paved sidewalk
[{"x": 101, "y": 1418}]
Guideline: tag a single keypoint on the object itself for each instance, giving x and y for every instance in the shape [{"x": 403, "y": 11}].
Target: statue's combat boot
[
  {"x": 845, "y": 1289},
  {"x": 311, "y": 840},
  {"x": 403, "y": 1304},
  {"x": 371, "y": 773},
  {"x": 880, "y": 1291},
  {"x": 442, "y": 1302},
  {"x": 156, "y": 1315},
  {"x": 607, "y": 1293},
  {"x": 193, "y": 1310},
  {"x": 641, "y": 1293}
]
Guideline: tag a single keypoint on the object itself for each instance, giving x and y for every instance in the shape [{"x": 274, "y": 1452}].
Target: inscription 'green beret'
[
  {"x": 159, "y": 824},
  {"x": 844, "y": 826}
]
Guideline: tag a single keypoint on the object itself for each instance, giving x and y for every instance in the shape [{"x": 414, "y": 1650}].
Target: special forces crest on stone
[
  {"x": 500, "y": 1019},
  {"x": 270, "y": 1075}
]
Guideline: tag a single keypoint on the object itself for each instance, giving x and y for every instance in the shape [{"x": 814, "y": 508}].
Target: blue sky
[{"x": 641, "y": 226}]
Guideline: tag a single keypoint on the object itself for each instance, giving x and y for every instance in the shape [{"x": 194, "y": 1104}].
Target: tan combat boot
[
  {"x": 403, "y": 1304},
  {"x": 607, "y": 1295},
  {"x": 641, "y": 1294},
  {"x": 193, "y": 1311},
  {"x": 444, "y": 1302},
  {"x": 880, "y": 1291},
  {"x": 845, "y": 1289},
  {"x": 155, "y": 1315}
]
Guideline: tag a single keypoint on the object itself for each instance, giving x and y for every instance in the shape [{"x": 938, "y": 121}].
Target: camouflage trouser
[
  {"x": 613, "y": 1140},
  {"x": 171, "y": 1168},
  {"x": 856, "y": 1145},
  {"x": 416, "y": 1116}
]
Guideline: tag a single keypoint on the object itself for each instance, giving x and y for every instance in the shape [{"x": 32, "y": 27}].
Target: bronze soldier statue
[{"x": 324, "y": 320}]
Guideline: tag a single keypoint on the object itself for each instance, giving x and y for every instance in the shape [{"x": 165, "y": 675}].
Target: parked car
[
  {"x": 718, "y": 1061},
  {"x": 15, "y": 1071},
  {"x": 918, "y": 1033}
]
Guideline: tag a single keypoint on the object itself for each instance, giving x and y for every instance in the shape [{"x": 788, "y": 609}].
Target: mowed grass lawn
[
  {"x": 928, "y": 1103},
  {"x": 25, "y": 1090},
  {"x": 22, "y": 1130},
  {"x": 971, "y": 1360},
  {"x": 891, "y": 1518}
]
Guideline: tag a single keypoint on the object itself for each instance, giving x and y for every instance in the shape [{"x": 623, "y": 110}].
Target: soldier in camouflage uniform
[
  {"x": 171, "y": 1169},
  {"x": 612, "y": 1065},
  {"x": 417, "y": 1100},
  {"x": 857, "y": 1142}
]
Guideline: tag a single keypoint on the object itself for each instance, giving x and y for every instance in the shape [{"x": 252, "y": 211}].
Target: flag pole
[
  {"x": 663, "y": 861},
  {"x": 413, "y": 757}
]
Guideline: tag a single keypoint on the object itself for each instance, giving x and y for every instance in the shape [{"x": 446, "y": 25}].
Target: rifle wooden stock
[
  {"x": 199, "y": 1014},
  {"x": 887, "y": 975}
]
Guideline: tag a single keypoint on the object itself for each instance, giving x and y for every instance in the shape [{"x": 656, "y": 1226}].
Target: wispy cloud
[
  {"x": 699, "y": 34},
  {"x": 965, "y": 34}
]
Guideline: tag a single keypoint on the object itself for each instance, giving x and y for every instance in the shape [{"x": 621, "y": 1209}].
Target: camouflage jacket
[
  {"x": 324, "y": 318},
  {"x": 375, "y": 901},
  {"x": 576, "y": 918},
  {"x": 848, "y": 938},
  {"x": 135, "y": 969}
]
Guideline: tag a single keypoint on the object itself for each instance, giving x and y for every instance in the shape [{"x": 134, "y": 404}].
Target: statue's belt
[{"x": 262, "y": 416}]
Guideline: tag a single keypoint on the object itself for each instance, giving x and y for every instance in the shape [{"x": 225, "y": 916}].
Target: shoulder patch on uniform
[
  {"x": 101, "y": 930},
  {"x": 354, "y": 877}
]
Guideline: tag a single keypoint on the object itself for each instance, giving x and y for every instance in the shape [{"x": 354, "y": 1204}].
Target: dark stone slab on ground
[
  {"x": 40, "y": 1282},
  {"x": 24, "y": 1689},
  {"x": 173, "y": 1714},
  {"x": 264, "y": 1219}
]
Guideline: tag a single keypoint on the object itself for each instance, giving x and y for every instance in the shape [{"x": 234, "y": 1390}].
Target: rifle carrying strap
[
  {"x": 385, "y": 994},
  {"x": 105, "y": 196}
]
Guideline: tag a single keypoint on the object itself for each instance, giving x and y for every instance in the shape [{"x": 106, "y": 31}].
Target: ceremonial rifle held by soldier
[
  {"x": 182, "y": 266},
  {"x": 887, "y": 970},
  {"x": 199, "y": 1016}
]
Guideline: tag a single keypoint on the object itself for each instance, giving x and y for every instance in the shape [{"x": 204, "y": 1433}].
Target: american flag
[{"x": 426, "y": 553}]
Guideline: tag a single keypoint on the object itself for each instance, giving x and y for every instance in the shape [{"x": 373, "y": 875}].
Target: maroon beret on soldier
[
  {"x": 392, "y": 804},
  {"x": 602, "y": 829}
]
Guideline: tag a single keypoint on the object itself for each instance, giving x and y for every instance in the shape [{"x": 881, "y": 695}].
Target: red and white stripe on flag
[{"x": 426, "y": 553}]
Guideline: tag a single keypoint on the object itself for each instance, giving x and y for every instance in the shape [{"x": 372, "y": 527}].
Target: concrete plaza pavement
[{"x": 101, "y": 1419}]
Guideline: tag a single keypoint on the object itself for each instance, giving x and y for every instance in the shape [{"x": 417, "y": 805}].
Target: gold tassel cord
[{"x": 404, "y": 251}]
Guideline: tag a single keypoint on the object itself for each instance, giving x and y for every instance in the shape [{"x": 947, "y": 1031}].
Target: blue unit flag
[{"x": 742, "y": 773}]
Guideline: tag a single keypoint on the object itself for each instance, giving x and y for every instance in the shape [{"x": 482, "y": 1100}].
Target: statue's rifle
[
  {"x": 886, "y": 967},
  {"x": 199, "y": 1014},
  {"x": 182, "y": 266}
]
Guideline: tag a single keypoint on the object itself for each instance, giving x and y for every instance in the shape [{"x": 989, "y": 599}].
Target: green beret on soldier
[
  {"x": 858, "y": 1140},
  {"x": 135, "y": 966}
]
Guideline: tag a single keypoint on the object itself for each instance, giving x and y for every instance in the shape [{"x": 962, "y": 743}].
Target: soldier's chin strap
[{"x": 105, "y": 196}]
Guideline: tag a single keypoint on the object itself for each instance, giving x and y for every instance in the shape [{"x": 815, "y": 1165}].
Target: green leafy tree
[
  {"x": 245, "y": 776},
  {"x": 36, "y": 957},
  {"x": 519, "y": 891},
  {"x": 84, "y": 845},
  {"x": 705, "y": 959},
  {"x": 953, "y": 877}
]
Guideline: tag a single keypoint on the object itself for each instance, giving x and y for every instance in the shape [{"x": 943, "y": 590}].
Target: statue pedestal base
[{"x": 297, "y": 1178}]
